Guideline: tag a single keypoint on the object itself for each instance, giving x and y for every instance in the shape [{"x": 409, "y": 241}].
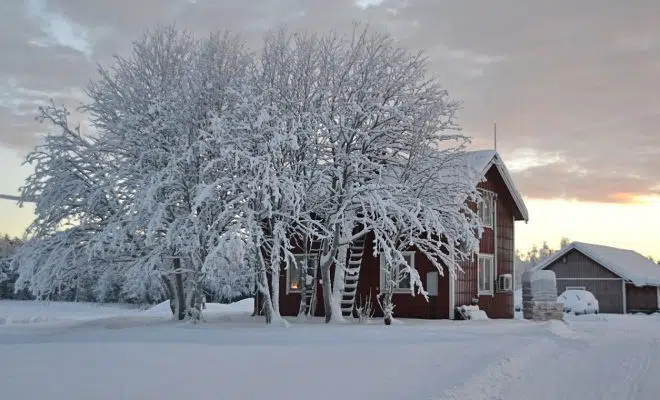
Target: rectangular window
[
  {"x": 486, "y": 209},
  {"x": 305, "y": 264},
  {"x": 486, "y": 274},
  {"x": 399, "y": 277}
]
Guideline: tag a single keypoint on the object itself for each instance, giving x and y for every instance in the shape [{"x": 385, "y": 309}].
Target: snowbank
[
  {"x": 473, "y": 313},
  {"x": 27, "y": 312},
  {"x": 32, "y": 312}
]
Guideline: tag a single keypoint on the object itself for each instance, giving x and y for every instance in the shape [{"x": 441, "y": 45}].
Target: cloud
[
  {"x": 574, "y": 91},
  {"x": 523, "y": 159},
  {"x": 573, "y": 181},
  {"x": 368, "y": 3},
  {"x": 57, "y": 29}
]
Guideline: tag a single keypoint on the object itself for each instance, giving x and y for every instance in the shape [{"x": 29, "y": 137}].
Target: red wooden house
[{"x": 486, "y": 280}]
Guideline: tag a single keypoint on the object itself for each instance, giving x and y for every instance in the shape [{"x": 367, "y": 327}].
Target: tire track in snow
[
  {"x": 649, "y": 370},
  {"x": 614, "y": 366},
  {"x": 491, "y": 382}
]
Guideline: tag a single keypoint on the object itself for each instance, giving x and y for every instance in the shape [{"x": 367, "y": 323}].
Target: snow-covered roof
[
  {"x": 480, "y": 159},
  {"x": 483, "y": 160},
  {"x": 627, "y": 264}
]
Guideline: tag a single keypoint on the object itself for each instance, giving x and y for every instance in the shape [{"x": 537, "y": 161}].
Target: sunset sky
[{"x": 574, "y": 88}]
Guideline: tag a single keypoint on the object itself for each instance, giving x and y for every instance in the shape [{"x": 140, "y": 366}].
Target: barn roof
[
  {"x": 627, "y": 264},
  {"x": 483, "y": 160}
]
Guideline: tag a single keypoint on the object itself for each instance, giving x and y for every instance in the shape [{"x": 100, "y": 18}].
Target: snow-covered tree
[
  {"x": 545, "y": 251},
  {"x": 73, "y": 202},
  {"x": 166, "y": 104},
  {"x": 8, "y": 275},
  {"x": 209, "y": 165},
  {"x": 377, "y": 122}
]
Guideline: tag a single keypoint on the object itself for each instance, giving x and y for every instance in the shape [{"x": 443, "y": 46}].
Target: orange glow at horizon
[{"x": 633, "y": 225}]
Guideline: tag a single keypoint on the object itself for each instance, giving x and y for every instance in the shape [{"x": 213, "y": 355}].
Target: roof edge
[
  {"x": 497, "y": 161},
  {"x": 576, "y": 246}
]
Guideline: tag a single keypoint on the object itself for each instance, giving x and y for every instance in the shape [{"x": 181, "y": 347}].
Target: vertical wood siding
[
  {"x": 609, "y": 293},
  {"x": 643, "y": 298},
  {"x": 406, "y": 305},
  {"x": 500, "y": 305},
  {"x": 578, "y": 265}
]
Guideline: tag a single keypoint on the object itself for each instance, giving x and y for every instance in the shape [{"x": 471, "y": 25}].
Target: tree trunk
[
  {"x": 327, "y": 257},
  {"x": 275, "y": 291},
  {"x": 327, "y": 292},
  {"x": 303, "y": 293},
  {"x": 171, "y": 293},
  {"x": 255, "y": 309},
  {"x": 180, "y": 291},
  {"x": 267, "y": 303},
  {"x": 255, "y": 288}
]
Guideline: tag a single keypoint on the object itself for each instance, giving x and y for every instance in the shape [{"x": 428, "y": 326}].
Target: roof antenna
[{"x": 495, "y": 135}]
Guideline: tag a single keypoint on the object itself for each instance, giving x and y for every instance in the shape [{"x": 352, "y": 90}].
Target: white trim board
[
  {"x": 487, "y": 193},
  {"x": 302, "y": 271},
  {"x": 625, "y": 298},
  {"x": 589, "y": 279},
  {"x": 491, "y": 292}
]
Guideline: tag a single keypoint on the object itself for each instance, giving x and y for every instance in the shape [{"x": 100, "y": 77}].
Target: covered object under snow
[
  {"x": 539, "y": 295},
  {"x": 622, "y": 280}
]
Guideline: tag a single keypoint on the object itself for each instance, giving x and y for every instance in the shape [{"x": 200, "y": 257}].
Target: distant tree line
[
  {"x": 525, "y": 261},
  {"x": 8, "y": 275}
]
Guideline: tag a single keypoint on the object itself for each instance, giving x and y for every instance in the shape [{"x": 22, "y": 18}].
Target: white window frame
[
  {"x": 491, "y": 290},
  {"x": 396, "y": 289},
  {"x": 304, "y": 256},
  {"x": 487, "y": 196}
]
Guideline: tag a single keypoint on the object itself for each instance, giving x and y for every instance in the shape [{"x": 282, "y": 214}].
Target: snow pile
[
  {"x": 159, "y": 309},
  {"x": 473, "y": 313},
  {"x": 32, "y": 312},
  {"x": 586, "y": 317},
  {"x": 245, "y": 306},
  {"x": 561, "y": 329}
]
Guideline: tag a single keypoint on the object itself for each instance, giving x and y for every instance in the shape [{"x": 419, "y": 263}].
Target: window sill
[{"x": 491, "y": 293}]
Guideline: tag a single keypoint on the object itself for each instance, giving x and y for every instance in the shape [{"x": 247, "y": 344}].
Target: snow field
[{"x": 127, "y": 353}]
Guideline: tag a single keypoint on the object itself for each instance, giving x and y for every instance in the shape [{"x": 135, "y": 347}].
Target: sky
[{"x": 573, "y": 86}]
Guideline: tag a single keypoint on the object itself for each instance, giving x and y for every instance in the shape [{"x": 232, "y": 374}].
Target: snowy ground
[{"x": 81, "y": 351}]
